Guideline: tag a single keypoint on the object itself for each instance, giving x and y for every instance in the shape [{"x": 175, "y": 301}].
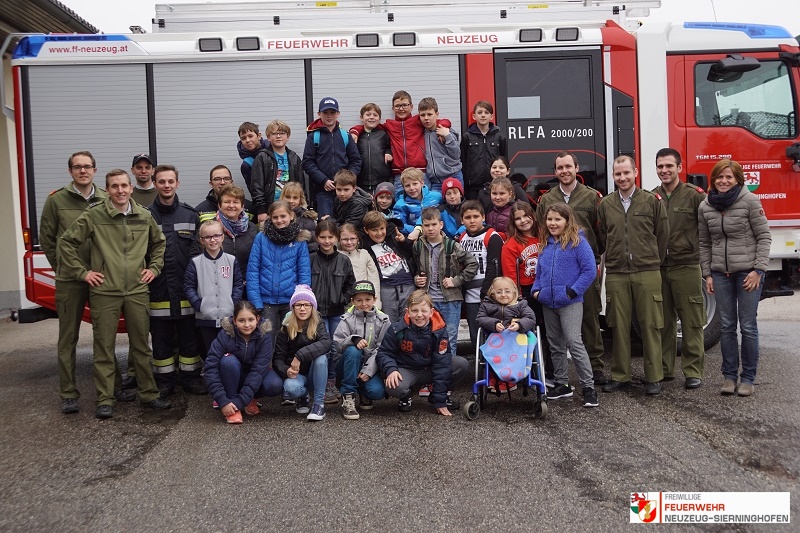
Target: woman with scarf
[
  {"x": 278, "y": 262},
  {"x": 734, "y": 252},
  {"x": 239, "y": 231}
]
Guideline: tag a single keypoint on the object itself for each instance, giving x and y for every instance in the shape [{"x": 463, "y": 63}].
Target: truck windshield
[{"x": 760, "y": 101}]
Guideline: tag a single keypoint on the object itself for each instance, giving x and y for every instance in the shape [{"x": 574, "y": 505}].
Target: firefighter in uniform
[
  {"x": 633, "y": 231},
  {"x": 681, "y": 277},
  {"x": 584, "y": 201},
  {"x": 127, "y": 253},
  {"x": 61, "y": 209},
  {"x": 171, "y": 314}
]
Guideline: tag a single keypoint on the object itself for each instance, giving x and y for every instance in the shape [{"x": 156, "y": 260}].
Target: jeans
[
  {"x": 316, "y": 380},
  {"x": 324, "y": 201},
  {"x": 347, "y": 369},
  {"x": 274, "y": 314},
  {"x": 331, "y": 323},
  {"x": 232, "y": 378},
  {"x": 451, "y": 313},
  {"x": 472, "y": 321},
  {"x": 737, "y": 305}
]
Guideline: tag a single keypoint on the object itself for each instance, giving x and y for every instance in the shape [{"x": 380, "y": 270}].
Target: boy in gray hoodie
[
  {"x": 357, "y": 338},
  {"x": 442, "y": 149}
]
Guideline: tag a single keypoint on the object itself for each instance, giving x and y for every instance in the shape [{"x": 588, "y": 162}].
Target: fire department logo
[
  {"x": 752, "y": 180},
  {"x": 644, "y": 509}
]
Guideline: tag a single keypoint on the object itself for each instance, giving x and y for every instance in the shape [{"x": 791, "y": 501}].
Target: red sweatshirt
[{"x": 529, "y": 253}]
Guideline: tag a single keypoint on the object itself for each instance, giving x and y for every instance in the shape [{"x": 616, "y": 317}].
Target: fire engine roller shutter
[
  {"x": 99, "y": 108},
  {"x": 356, "y": 81},
  {"x": 199, "y": 107}
]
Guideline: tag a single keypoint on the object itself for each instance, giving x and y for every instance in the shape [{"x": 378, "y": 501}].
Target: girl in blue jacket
[
  {"x": 278, "y": 262},
  {"x": 565, "y": 270},
  {"x": 238, "y": 367}
]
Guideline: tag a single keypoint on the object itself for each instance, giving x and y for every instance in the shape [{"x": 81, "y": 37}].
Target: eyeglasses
[
  {"x": 221, "y": 180},
  {"x": 303, "y": 306},
  {"x": 348, "y": 239},
  {"x": 215, "y": 237},
  {"x": 78, "y": 168},
  {"x": 401, "y": 106},
  {"x": 277, "y": 133}
]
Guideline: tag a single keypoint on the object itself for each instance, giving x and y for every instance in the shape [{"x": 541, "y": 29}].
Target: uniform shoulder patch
[
  {"x": 53, "y": 192},
  {"x": 658, "y": 196},
  {"x": 700, "y": 190}
]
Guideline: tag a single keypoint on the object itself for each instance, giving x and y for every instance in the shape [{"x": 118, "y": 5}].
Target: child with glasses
[
  {"x": 274, "y": 166},
  {"x": 213, "y": 283}
]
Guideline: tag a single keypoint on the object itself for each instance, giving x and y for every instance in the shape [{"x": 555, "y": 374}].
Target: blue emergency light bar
[
  {"x": 754, "y": 31},
  {"x": 31, "y": 45}
]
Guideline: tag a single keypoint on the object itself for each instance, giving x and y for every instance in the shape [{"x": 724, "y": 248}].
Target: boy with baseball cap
[
  {"x": 328, "y": 150},
  {"x": 357, "y": 338}
]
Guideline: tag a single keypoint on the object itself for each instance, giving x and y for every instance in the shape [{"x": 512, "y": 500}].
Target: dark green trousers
[
  {"x": 71, "y": 298},
  {"x": 683, "y": 299}
]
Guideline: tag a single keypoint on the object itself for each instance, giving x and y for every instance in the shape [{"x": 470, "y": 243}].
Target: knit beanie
[
  {"x": 384, "y": 188},
  {"x": 303, "y": 293},
  {"x": 452, "y": 183}
]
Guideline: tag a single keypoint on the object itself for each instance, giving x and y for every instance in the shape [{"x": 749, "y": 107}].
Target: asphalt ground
[{"x": 186, "y": 470}]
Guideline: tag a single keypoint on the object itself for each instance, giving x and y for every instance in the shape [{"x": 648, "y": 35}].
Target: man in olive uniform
[
  {"x": 680, "y": 273},
  {"x": 127, "y": 253},
  {"x": 61, "y": 209},
  {"x": 634, "y": 231},
  {"x": 584, "y": 201}
]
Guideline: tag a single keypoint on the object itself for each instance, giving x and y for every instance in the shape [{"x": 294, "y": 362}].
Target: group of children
[{"x": 372, "y": 301}]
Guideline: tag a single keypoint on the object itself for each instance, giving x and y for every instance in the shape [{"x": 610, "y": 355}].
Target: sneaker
[
  {"x": 332, "y": 395},
  {"x": 590, "y": 398},
  {"x": 69, "y": 406},
  {"x": 745, "y": 389},
  {"x": 195, "y": 387},
  {"x": 214, "y": 404},
  {"x": 425, "y": 391},
  {"x": 365, "y": 403},
  {"x": 125, "y": 395},
  {"x": 286, "y": 399},
  {"x": 728, "y": 388},
  {"x": 301, "y": 406},
  {"x": 492, "y": 384},
  {"x": 559, "y": 391},
  {"x": 252, "y": 408},
  {"x": 349, "y": 411},
  {"x": 404, "y": 405},
  {"x": 158, "y": 403},
  {"x": 506, "y": 386},
  {"x": 235, "y": 418},
  {"x": 317, "y": 412},
  {"x": 103, "y": 412}
]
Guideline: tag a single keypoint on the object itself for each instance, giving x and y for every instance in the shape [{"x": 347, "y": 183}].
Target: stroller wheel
[
  {"x": 540, "y": 409},
  {"x": 471, "y": 410}
]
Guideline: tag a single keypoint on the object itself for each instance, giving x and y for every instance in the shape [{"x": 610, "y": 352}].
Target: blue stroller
[{"x": 514, "y": 358}]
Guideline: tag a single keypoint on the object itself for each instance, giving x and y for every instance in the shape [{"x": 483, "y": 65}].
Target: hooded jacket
[
  {"x": 248, "y": 157},
  {"x": 305, "y": 349},
  {"x": 736, "y": 239},
  {"x": 561, "y": 269},
  {"x": 461, "y": 266},
  {"x": 121, "y": 247},
  {"x": 443, "y": 156},
  {"x": 356, "y": 325},
  {"x": 263, "y": 178},
  {"x": 321, "y": 162},
  {"x": 60, "y": 210},
  {"x": 409, "y": 210},
  {"x": 254, "y": 354},
  {"x": 490, "y": 313},
  {"x": 275, "y": 269},
  {"x": 477, "y": 153},
  {"x": 408, "y": 346}
]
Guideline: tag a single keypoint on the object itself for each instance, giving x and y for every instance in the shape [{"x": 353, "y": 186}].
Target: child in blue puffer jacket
[
  {"x": 237, "y": 369},
  {"x": 412, "y": 201},
  {"x": 565, "y": 271},
  {"x": 279, "y": 261}
]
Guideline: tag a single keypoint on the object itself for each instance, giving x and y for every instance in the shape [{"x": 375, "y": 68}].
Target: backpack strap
[{"x": 345, "y": 137}]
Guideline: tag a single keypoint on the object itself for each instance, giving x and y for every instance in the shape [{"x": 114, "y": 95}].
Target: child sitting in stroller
[{"x": 501, "y": 310}]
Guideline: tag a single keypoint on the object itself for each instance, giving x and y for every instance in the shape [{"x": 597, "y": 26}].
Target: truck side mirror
[
  {"x": 731, "y": 68},
  {"x": 698, "y": 180}
]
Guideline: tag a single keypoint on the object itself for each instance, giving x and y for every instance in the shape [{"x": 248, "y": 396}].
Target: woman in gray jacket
[{"x": 734, "y": 252}]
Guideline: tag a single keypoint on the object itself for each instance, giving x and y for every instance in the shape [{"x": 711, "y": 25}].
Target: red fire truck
[{"x": 594, "y": 77}]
